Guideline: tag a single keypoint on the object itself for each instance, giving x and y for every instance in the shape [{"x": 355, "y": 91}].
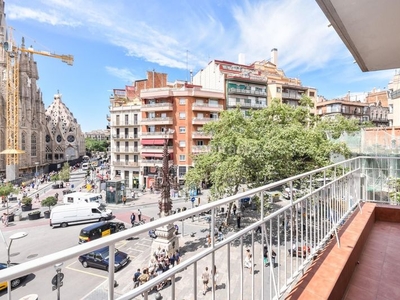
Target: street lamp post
[
  {"x": 36, "y": 164},
  {"x": 166, "y": 237},
  {"x": 15, "y": 236}
]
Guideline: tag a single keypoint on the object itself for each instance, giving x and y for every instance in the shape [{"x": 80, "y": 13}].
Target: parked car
[
  {"x": 99, "y": 259},
  {"x": 15, "y": 282}
]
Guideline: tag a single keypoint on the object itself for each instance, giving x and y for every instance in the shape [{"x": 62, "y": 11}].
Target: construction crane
[{"x": 12, "y": 99}]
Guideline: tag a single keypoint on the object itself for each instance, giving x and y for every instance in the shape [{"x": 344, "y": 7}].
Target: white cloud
[{"x": 124, "y": 74}]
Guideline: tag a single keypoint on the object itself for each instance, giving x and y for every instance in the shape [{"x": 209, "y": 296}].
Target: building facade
[
  {"x": 124, "y": 121},
  {"x": 176, "y": 116},
  {"x": 394, "y": 100},
  {"x": 48, "y": 137},
  {"x": 252, "y": 86}
]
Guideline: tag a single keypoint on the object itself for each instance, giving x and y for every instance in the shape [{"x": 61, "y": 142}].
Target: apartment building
[
  {"x": 252, "y": 86},
  {"x": 394, "y": 100},
  {"x": 175, "y": 115},
  {"x": 99, "y": 134},
  {"x": 124, "y": 121}
]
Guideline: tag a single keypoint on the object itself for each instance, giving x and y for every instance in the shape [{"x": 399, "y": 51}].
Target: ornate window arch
[
  {"x": 33, "y": 144},
  {"x": 23, "y": 141}
]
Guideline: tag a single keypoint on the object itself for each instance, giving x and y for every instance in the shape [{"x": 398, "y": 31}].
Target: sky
[{"x": 116, "y": 42}]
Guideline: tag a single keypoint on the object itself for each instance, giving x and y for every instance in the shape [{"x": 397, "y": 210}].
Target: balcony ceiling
[{"x": 369, "y": 29}]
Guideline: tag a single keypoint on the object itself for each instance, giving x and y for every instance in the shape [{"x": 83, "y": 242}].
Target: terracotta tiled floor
[{"x": 377, "y": 275}]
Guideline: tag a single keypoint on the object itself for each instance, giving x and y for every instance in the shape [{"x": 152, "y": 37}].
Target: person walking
[
  {"x": 123, "y": 200},
  {"x": 248, "y": 261},
  {"x": 238, "y": 218},
  {"x": 136, "y": 278},
  {"x": 133, "y": 218},
  {"x": 205, "y": 277},
  {"x": 139, "y": 215},
  {"x": 215, "y": 276},
  {"x": 234, "y": 209}
]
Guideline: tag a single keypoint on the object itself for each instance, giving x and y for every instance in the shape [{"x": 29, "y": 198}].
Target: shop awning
[
  {"x": 158, "y": 142},
  {"x": 147, "y": 142},
  {"x": 152, "y": 154}
]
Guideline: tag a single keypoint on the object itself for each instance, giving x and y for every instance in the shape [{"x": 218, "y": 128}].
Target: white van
[
  {"x": 80, "y": 197},
  {"x": 85, "y": 166},
  {"x": 63, "y": 215}
]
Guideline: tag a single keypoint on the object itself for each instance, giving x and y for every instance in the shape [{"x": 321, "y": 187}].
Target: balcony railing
[
  {"x": 157, "y": 134},
  {"x": 297, "y": 229},
  {"x": 125, "y": 149},
  {"x": 200, "y": 134},
  {"x": 160, "y": 121},
  {"x": 126, "y": 163},
  {"x": 246, "y": 91},
  {"x": 246, "y": 104},
  {"x": 207, "y": 107},
  {"x": 203, "y": 120},
  {"x": 157, "y": 107},
  {"x": 125, "y": 136},
  {"x": 200, "y": 149}
]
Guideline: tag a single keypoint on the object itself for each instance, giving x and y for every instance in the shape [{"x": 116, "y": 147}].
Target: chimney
[{"x": 274, "y": 56}]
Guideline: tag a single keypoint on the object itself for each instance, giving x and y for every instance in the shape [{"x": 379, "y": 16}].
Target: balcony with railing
[
  {"x": 158, "y": 121},
  {"x": 125, "y": 149},
  {"x": 201, "y": 149},
  {"x": 125, "y": 163},
  {"x": 247, "y": 92},
  {"x": 207, "y": 107},
  {"x": 202, "y": 121},
  {"x": 200, "y": 135},
  {"x": 147, "y": 162},
  {"x": 246, "y": 104},
  {"x": 157, "y": 135},
  {"x": 321, "y": 227},
  {"x": 164, "y": 106},
  {"x": 155, "y": 149},
  {"x": 125, "y": 136}
]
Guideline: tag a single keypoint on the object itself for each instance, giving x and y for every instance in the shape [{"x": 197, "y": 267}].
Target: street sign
[
  {"x": 60, "y": 279},
  {"x": 55, "y": 287},
  {"x": 193, "y": 199}
]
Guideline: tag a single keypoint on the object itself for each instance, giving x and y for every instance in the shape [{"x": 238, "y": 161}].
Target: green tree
[
  {"x": 6, "y": 190},
  {"x": 93, "y": 145},
  {"x": 64, "y": 173},
  {"x": 49, "y": 202},
  {"x": 264, "y": 146}
]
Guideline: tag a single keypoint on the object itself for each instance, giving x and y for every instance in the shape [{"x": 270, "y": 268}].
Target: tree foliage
[
  {"x": 266, "y": 145},
  {"x": 96, "y": 145},
  {"x": 7, "y": 189},
  {"x": 64, "y": 173}
]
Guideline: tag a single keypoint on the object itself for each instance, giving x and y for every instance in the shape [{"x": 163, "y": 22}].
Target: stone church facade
[{"x": 48, "y": 137}]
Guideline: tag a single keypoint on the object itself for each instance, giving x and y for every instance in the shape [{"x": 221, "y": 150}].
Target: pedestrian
[
  {"x": 258, "y": 230},
  {"x": 177, "y": 257},
  {"x": 273, "y": 256},
  {"x": 19, "y": 203},
  {"x": 133, "y": 217},
  {"x": 4, "y": 219},
  {"x": 123, "y": 200},
  {"x": 266, "y": 256},
  {"x": 205, "y": 277},
  {"x": 136, "y": 278},
  {"x": 248, "y": 262},
  {"x": 37, "y": 197},
  {"x": 208, "y": 240},
  {"x": 234, "y": 209},
  {"x": 139, "y": 215},
  {"x": 133, "y": 195},
  {"x": 238, "y": 217}
]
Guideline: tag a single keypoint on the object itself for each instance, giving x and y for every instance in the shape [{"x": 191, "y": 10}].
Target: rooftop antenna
[{"x": 187, "y": 65}]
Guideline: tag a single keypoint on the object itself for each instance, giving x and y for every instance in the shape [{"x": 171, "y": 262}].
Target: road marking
[{"x": 85, "y": 272}]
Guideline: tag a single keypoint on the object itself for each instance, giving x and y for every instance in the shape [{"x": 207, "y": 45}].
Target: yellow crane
[{"x": 12, "y": 99}]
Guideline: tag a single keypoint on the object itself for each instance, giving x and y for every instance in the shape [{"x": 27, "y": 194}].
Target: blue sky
[{"x": 116, "y": 42}]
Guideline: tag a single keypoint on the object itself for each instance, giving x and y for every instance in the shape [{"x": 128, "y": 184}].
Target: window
[
  {"x": 118, "y": 157},
  {"x": 126, "y": 120},
  {"x": 135, "y": 119},
  {"x": 312, "y": 94},
  {"x": 213, "y": 103},
  {"x": 182, "y": 116},
  {"x": 23, "y": 141},
  {"x": 47, "y": 139},
  {"x": 182, "y": 129},
  {"x": 71, "y": 138},
  {"x": 33, "y": 144},
  {"x": 181, "y": 171},
  {"x": 390, "y": 108},
  {"x": 278, "y": 90},
  {"x": 200, "y": 143},
  {"x": 59, "y": 138},
  {"x": 117, "y": 120},
  {"x": 151, "y": 115},
  {"x": 182, "y": 144},
  {"x": 199, "y": 116},
  {"x": 163, "y": 115},
  {"x": 214, "y": 116},
  {"x": 182, "y": 157},
  {"x": 182, "y": 101}
]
